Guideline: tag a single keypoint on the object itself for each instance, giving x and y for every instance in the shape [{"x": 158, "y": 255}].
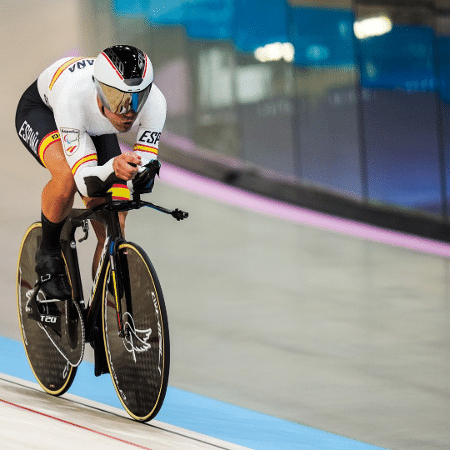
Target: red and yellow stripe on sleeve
[
  {"x": 46, "y": 142},
  {"x": 146, "y": 148},
  {"x": 80, "y": 162},
  {"x": 61, "y": 69}
]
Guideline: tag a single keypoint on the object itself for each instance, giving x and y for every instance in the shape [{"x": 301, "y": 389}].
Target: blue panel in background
[
  {"x": 161, "y": 12},
  {"x": 165, "y": 12},
  {"x": 258, "y": 26},
  {"x": 443, "y": 60},
  {"x": 402, "y": 58},
  {"x": 322, "y": 37},
  {"x": 209, "y": 19},
  {"x": 128, "y": 8}
]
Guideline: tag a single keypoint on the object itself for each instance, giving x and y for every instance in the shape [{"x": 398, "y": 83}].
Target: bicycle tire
[
  {"x": 52, "y": 371},
  {"x": 139, "y": 361}
]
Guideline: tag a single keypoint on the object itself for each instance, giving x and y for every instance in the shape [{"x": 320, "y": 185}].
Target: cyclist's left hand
[{"x": 123, "y": 169}]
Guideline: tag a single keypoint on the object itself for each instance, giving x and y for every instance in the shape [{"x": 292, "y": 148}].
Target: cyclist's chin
[{"x": 123, "y": 127}]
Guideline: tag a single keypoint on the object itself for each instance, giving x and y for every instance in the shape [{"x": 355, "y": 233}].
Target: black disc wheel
[
  {"x": 52, "y": 332},
  {"x": 138, "y": 355}
]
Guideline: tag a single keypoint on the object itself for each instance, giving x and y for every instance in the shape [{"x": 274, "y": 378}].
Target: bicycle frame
[{"x": 107, "y": 214}]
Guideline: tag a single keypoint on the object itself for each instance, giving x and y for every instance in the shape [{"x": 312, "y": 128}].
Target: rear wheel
[
  {"x": 52, "y": 354},
  {"x": 139, "y": 358}
]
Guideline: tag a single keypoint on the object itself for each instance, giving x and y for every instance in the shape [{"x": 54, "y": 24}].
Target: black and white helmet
[{"x": 123, "y": 76}]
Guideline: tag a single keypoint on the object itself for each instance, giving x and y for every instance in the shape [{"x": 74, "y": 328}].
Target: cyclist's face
[{"x": 122, "y": 122}]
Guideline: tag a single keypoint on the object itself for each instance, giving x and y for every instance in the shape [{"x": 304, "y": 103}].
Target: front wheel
[{"x": 138, "y": 357}]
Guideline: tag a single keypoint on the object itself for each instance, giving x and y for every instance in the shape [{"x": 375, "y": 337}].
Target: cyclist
[{"x": 69, "y": 119}]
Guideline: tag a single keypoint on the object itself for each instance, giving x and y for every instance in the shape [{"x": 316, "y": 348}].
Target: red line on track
[{"x": 74, "y": 424}]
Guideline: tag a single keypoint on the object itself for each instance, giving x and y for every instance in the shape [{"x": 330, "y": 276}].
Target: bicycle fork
[{"x": 117, "y": 279}]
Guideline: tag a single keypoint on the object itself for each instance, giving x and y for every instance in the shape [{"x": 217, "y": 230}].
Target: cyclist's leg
[
  {"x": 57, "y": 197},
  {"x": 59, "y": 192},
  {"x": 35, "y": 125},
  {"x": 56, "y": 203}
]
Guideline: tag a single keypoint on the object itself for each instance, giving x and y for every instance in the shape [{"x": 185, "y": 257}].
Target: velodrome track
[
  {"x": 89, "y": 425},
  {"x": 342, "y": 328}
]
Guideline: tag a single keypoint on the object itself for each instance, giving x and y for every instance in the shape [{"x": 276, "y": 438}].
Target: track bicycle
[{"x": 125, "y": 319}]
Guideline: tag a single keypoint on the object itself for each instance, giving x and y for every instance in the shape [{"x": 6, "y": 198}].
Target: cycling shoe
[{"x": 52, "y": 276}]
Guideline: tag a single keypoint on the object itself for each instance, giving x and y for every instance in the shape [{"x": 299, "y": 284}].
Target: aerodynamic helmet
[{"x": 123, "y": 77}]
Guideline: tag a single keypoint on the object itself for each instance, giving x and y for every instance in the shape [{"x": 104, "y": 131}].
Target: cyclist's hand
[
  {"x": 143, "y": 182},
  {"x": 122, "y": 167}
]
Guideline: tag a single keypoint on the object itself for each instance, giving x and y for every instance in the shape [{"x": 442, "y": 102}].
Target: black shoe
[{"x": 52, "y": 276}]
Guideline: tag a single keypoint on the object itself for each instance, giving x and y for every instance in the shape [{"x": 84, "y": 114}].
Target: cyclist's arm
[
  {"x": 81, "y": 155},
  {"x": 91, "y": 179},
  {"x": 151, "y": 123}
]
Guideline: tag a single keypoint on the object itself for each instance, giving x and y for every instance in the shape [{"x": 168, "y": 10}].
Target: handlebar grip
[{"x": 179, "y": 215}]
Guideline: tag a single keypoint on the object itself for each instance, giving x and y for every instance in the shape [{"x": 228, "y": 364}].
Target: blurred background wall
[{"x": 338, "y": 105}]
